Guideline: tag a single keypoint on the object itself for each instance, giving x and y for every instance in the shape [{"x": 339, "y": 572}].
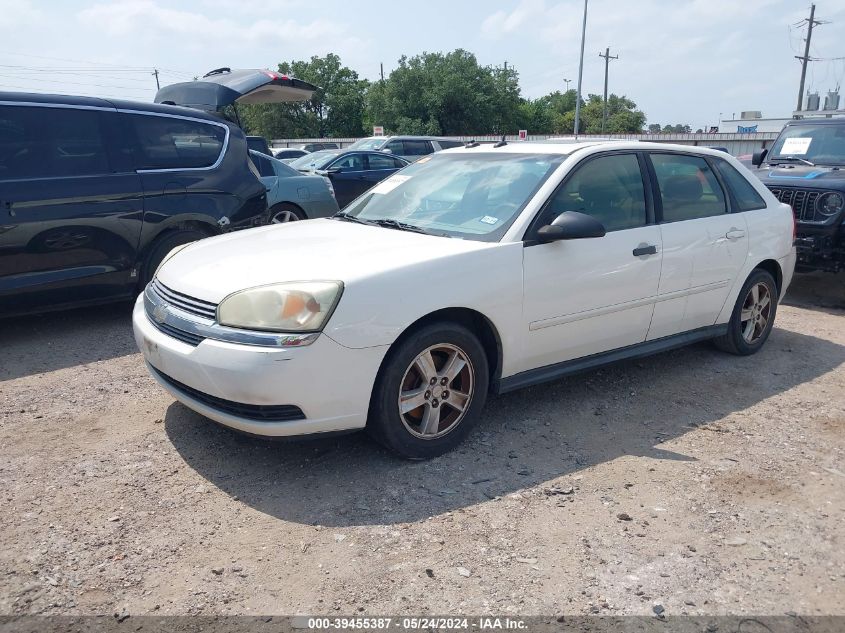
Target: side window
[
  {"x": 40, "y": 142},
  {"x": 446, "y": 144},
  {"x": 351, "y": 162},
  {"x": 382, "y": 161},
  {"x": 688, "y": 187},
  {"x": 396, "y": 147},
  {"x": 417, "y": 148},
  {"x": 168, "y": 143},
  {"x": 609, "y": 188},
  {"x": 746, "y": 196},
  {"x": 265, "y": 167},
  {"x": 398, "y": 164}
]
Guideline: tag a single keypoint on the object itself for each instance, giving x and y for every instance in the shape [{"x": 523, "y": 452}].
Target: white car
[{"x": 473, "y": 270}]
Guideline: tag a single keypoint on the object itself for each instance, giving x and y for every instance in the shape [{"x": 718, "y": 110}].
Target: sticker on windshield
[
  {"x": 388, "y": 185},
  {"x": 489, "y": 219},
  {"x": 796, "y": 145}
]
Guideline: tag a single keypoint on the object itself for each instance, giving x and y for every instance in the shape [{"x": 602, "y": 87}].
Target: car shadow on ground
[
  {"x": 823, "y": 292},
  {"x": 523, "y": 439},
  {"x": 40, "y": 343}
]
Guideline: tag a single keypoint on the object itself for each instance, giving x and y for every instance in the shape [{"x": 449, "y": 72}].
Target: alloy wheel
[
  {"x": 756, "y": 312},
  {"x": 284, "y": 216},
  {"x": 436, "y": 391}
]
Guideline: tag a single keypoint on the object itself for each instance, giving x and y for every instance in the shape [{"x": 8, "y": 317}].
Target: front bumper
[{"x": 330, "y": 384}]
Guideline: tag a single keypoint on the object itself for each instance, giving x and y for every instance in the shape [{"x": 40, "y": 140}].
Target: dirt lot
[{"x": 706, "y": 483}]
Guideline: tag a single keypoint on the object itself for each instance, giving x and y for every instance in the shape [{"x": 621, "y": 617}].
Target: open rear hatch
[{"x": 224, "y": 87}]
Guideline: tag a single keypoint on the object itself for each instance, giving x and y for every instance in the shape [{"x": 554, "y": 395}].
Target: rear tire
[
  {"x": 430, "y": 391},
  {"x": 753, "y": 316},
  {"x": 162, "y": 246},
  {"x": 285, "y": 212}
]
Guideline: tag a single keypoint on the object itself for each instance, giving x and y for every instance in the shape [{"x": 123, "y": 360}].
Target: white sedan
[{"x": 473, "y": 270}]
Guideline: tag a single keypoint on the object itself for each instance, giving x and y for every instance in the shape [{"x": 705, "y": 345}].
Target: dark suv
[
  {"x": 95, "y": 193},
  {"x": 804, "y": 168}
]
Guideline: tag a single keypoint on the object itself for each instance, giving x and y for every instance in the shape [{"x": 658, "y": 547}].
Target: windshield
[
  {"x": 819, "y": 144},
  {"x": 473, "y": 196},
  {"x": 374, "y": 142},
  {"x": 315, "y": 160}
]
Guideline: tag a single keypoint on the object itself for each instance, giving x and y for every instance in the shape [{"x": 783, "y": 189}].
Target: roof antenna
[
  {"x": 471, "y": 144},
  {"x": 501, "y": 143}
]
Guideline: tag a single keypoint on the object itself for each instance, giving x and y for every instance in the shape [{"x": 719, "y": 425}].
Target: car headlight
[
  {"x": 831, "y": 203},
  {"x": 302, "y": 306},
  {"x": 172, "y": 252}
]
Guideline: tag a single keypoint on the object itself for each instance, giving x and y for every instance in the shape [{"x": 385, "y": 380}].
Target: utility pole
[
  {"x": 580, "y": 72},
  {"x": 506, "y": 65},
  {"x": 381, "y": 66},
  {"x": 567, "y": 82},
  {"x": 811, "y": 22},
  {"x": 155, "y": 72},
  {"x": 607, "y": 57}
]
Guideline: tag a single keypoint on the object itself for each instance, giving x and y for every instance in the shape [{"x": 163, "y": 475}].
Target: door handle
[
  {"x": 735, "y": 234},
  {"x": 646, "y": 249}
]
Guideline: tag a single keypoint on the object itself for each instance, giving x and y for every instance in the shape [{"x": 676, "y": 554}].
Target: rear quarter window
[
  {"x": 163, "y": 142},
  {"x": 745, "y": 195}
]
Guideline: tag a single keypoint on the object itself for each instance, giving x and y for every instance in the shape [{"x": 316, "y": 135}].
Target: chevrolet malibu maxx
[{"x": 475, "y": 270}]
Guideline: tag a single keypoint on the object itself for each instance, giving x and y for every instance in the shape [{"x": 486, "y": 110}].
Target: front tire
[
  {"x": 430, "y": 391},
  {"x": 753, "y": 316},
  {"x": 162, "y": 247}
]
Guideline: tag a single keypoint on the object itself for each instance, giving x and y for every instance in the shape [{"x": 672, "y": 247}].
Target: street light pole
[{"x": 580, "y": 72}]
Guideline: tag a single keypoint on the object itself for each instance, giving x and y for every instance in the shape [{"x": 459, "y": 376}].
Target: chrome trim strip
[
  {"x": 66, "y": 106},
  {"x": 159, "y": 310},
  {"x": 619, "y": 307},
  {"x": 224, "y": 147}
]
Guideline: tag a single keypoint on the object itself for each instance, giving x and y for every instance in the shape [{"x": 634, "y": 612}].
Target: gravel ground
[{"x": 701, "y": 482}]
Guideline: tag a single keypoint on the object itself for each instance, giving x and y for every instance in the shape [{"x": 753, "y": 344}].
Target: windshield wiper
[
  {"x": 401, "y": 226},
  {"x": 800, "y": 160},
  {"x": 343, "y": 215}
]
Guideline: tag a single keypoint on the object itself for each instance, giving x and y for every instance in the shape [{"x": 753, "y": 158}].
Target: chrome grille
[
  {"x": 802, "y": 201},
  {"x": 194, "y": 306}
]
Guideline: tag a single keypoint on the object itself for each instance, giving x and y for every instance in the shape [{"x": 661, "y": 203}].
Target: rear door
[
  {"x": 71, "y": 208},
  {"x": 224, "y": 87},
  {"x": 380, "y": 166},
  {"x": 583, "y": 297},
  {"x": 704, "y": 244}
]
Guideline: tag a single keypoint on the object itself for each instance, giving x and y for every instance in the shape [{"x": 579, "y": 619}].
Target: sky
[{"x": 681, "y": 61}]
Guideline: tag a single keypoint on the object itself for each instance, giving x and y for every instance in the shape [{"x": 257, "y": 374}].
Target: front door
[
  {"x": 583, "y": 297},
  {"x": 349, "y": 177},
  {"x": 70, "y": 218}
]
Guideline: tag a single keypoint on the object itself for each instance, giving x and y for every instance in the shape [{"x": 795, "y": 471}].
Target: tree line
[{"x": 431, "y": 93}]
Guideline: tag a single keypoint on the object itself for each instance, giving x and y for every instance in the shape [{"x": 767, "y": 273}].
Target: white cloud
[{"x": 503, "y": 22}]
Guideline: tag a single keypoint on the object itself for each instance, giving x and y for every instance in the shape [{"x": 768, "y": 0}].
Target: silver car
[
  {"x": 291, "y": 195},
  {"x": 410, "y": 148}
]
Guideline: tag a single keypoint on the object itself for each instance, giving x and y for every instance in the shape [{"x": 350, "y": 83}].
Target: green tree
[
  {"x": 335, "y": 108},
  {"x": 445, "y": 93}
]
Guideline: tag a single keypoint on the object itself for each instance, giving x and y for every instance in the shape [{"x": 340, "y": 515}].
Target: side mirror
[
  {"x": 333, "y": 170},
  {"x": 571, "y": 225},
  {"x": 387, "y": 151},
  {"x": 758, "y": 157}
]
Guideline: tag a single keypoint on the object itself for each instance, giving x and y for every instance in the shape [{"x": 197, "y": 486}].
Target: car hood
[
  {"x": 223, "y": 87},
  {"x": 213, "y": 268},
  {"x": 798, "y": 175}
]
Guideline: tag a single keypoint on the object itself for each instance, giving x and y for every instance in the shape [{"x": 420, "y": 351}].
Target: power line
[{"x": 77, "y": 83}]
